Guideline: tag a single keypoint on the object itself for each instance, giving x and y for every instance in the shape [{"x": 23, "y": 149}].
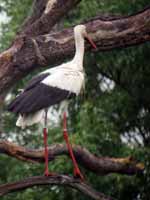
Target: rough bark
[
  {"x": 61, "y": 180},
  {"x": 98, "y": 165},
  {"x": 28, "y": 54},
  {"x": 38, "y": 8},
  {"x": 51, "y": 11}
]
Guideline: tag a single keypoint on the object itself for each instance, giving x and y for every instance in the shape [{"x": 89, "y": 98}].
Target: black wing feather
[
  {"x": 35, "y": 80},
  {"x": 39, "y": 97}
]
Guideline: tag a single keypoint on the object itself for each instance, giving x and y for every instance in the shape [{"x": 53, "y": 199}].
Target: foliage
[{"x": 115, "y": 106}]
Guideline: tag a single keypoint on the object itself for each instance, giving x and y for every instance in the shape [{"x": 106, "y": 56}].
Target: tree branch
[
  {"x": 98, "y": 165},
  {"x": 53, "y": 11},
  {"x": 61, "y": 180},
  {"x": 38, "y": 8},
  {"x": 15, "y": 63}
]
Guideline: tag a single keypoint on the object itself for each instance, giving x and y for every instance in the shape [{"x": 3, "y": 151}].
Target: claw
[
  {"x": 47, "y": 173},
  {"x": 77, "y": 174}
]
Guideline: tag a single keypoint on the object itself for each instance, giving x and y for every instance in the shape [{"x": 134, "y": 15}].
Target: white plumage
[
  {"x": 66, "y": 79},
  {"x": 30, "y": 119}
]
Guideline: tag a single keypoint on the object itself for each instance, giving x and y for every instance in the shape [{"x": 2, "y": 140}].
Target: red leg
[
  {"x": 76, "y": 170},
  {"x": 45, "y": 135},
  {"x": 46, "y": 172}
]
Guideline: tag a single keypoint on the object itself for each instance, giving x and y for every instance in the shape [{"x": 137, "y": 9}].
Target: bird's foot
[
  {"x": 47, "y": 173},
  {"x": 77, "y": 173}
]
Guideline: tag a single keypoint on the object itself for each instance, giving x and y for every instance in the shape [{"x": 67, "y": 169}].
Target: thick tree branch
[
  {"x": 61, "y": 180},
  {"x": 53, "y": 11},
  {"x": 37, "y": 10},
  {"x": 22, "y": 57},
  {"x": 98, "y": 165}
]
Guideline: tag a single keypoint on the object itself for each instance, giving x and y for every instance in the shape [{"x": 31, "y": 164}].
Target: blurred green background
[{"x": 111, "y": 119}]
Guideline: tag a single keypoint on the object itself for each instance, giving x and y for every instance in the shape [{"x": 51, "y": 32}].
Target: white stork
[{"x": 51, "y": 87}]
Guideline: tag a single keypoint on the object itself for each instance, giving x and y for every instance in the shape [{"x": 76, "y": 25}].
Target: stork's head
[{"x": 81, "y": 30}]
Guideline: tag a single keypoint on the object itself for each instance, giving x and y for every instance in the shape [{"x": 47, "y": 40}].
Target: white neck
[{"x": 79, "y": 45}]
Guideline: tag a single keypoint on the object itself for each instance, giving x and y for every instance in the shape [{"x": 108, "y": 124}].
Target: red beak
[{"x": 91, "y": 42}]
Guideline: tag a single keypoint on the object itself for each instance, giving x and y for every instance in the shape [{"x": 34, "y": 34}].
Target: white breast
[{"x": 70, "y": 80}]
